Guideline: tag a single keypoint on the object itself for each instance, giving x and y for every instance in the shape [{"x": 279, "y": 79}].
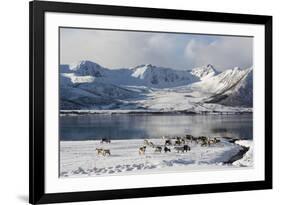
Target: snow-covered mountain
[
  {"x": 240, "y": 94},
  {"x": 232, "y": 87},
  {"x": 88, "y": 68},
  {"x": 159, "y": 77},
  {"x": 204, "y": 72},
  {"x": 142, "y": 75},
  {"x": 88, "y": 85}
]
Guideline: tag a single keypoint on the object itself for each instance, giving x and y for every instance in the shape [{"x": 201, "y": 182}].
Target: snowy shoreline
[
  {"x": 247, "y": 159},
  {"x": 79, "y": 158}
]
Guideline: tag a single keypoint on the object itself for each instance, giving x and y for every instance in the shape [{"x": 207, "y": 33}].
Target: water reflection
[{"x": 123, "y": 126}]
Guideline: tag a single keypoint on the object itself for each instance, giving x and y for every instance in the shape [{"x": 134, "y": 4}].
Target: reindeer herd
[
  {"x": 179, "y": 144},
  {"x": 166, "y": 147}
]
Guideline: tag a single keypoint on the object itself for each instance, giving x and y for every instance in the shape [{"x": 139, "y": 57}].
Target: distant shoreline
[{"x": 150, "y": 112}]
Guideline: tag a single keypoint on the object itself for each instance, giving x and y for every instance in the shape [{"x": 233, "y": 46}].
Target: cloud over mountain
[{"x": 117, "y": 49}]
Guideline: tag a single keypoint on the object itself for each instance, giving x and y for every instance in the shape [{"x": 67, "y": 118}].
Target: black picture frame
[{"x": 37, "y": 9}]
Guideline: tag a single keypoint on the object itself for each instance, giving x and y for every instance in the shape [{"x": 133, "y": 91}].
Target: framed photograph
[{"x": 130, "y": 102}]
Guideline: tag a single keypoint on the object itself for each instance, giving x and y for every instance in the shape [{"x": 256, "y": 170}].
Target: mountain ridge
[{"x": 150, "y": 87}]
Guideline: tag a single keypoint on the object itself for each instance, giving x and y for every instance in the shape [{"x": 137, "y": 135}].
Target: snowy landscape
[
  {"x": 87, "y": 88},
  {"x": 140, "y": 102},
  {"x": 79, "y": 158}
]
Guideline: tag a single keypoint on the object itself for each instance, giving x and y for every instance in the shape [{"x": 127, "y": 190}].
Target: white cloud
[
  {"x": 226, "y": 52},
  {"x": 115, "y": 49}
]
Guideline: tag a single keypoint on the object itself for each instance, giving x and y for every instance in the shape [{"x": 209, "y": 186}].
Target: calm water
[{"x": 124, "y": 126}]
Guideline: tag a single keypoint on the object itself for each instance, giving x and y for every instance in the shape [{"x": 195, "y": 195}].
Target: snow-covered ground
[
  {"x": 247, "y": 159},
  {"x": 79, "y": 158}
]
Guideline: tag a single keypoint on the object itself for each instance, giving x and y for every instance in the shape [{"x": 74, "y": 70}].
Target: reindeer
[
  {"x": 105, "y": 140},
  {"x": 205, "y": 143},
  {"x": 177, "y": 142},
  {"x": 168, "y": 142},
  {"x": 202, "y": 138},
  {"x": 151, "y": 144},
  {"x": 142, "y": 150},
  {"x": 106, "y": 152},
  {"x": 213, "y": 141},
  {"x": 188, "y": 137},
  {"x": 182, "y": 141},
  {"x": 99, "y": 151},
  {"x": 146, "y": 142},
  {"x": 186, "y": 148},
  {"x": 183, "y": 149},
  {"x": 166, "y": 149},
  {"x": 158, "y": 149},
  {"x": 216, "y": 140}
]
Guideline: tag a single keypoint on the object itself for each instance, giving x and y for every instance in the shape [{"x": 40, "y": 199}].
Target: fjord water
[{"x": 140, "y": 126}]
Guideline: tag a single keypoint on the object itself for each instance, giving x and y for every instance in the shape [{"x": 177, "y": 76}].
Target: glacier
[{"x": 89, "y": 87}]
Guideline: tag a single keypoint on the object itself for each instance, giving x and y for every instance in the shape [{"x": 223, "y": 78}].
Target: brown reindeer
[
  {"x": 99, "y": 151},
  {"x": 142, "y": 150},
  {"x": 106, "y": 152}
]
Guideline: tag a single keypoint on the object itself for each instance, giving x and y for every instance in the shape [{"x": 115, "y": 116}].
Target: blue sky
[{"x": 120, "y": 49}]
